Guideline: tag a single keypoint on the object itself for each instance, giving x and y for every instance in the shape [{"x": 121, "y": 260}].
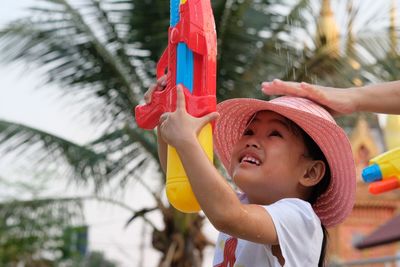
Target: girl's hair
[
  {"x": 320, "y": 188},
  {"x": 315, "y": 153}
]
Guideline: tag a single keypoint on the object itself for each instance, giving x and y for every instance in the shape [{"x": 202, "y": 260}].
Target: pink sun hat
[{"x": 336, "y": 203}]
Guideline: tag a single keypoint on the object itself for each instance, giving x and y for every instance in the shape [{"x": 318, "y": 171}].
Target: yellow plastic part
[
  {"x": 392, "y": 131},
  {"x": 179, "y": 191},
  {"x": 389, "y": 163}
]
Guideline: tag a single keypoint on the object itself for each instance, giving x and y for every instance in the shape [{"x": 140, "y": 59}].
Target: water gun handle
[
  {"x": 178, "y": 188},
  {"x": 148, "y": 115}
]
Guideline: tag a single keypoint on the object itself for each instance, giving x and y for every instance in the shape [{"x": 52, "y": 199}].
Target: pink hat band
[{"x": 336, "y": 203}]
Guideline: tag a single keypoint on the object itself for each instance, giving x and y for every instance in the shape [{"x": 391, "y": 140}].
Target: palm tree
[
  {"x": 33, "y": 229},
  {"x": 103, "y": 54}
]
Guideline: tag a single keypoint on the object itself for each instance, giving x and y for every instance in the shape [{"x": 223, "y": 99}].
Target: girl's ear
[{"x": 313, "y": 174}]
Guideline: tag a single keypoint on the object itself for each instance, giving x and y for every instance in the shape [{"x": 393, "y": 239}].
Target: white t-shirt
[{"x": 299, "y": 233}]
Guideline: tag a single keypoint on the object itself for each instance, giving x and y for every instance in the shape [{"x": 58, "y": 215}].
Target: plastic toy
[
  {"x": 190, "y": 59},
  {"x": 383, "y": 172}
]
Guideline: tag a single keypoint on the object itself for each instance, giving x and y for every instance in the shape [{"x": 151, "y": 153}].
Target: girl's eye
[
  {"x": 248, "y": 132},
  {"x": 275, "y": 133}
]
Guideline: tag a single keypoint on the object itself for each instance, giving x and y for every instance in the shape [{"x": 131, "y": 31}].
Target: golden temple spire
[
  {"x": 350, "y": 43},
  {"x": 327, "y": 29}
]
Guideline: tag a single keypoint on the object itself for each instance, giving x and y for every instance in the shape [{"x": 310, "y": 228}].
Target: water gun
[
  {"x": 190, "y": 60},
  {"x": 383, "y": 172}
]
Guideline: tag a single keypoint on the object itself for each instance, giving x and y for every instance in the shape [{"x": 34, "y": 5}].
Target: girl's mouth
[{"x": 250, "y": 159}]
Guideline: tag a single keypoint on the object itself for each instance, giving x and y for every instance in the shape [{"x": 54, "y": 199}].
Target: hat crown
[{"x": 304, "y": 105}]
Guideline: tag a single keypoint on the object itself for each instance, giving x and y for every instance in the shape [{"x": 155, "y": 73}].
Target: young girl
[{"x": 292, "y": 164}]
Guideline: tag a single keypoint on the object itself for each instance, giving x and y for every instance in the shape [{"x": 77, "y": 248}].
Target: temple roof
[
  {"x": 387, "y": 233},
  {"x": 361, "y": 136}
]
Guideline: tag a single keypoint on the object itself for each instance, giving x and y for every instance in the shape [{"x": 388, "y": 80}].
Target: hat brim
[{"x": 336, "y": 203}]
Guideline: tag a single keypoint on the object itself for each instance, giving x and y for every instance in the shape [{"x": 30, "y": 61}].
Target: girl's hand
[
  {"x": 337, "y": 101},
  {"x": 180, "y": 128},
  {"x": 159, "y": 86}
]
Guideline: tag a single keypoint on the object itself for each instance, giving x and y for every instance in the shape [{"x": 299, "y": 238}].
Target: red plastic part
[
  {"x": 196, "y": 28},
  {"x": 384, "y": 186}
]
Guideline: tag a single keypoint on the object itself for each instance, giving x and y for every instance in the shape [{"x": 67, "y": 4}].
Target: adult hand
[
  {"x": 179, "y": 128},
  {"x": 337, "y": 101}
]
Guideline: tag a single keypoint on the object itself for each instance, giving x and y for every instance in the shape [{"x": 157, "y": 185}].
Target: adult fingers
[
  {"x": 278, "y": 87},
  {"x": 318, "y": 95},
  {"x": 313, "y": 92}
]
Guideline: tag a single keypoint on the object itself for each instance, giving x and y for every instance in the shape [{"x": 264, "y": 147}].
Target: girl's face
[{"x": 269, "y": 160}]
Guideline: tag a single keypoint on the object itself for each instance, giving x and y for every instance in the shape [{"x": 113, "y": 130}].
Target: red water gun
[{"x": 190, "y": 60}]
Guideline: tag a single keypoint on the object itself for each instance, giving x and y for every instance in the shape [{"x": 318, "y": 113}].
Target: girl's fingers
[
  {"x": 149, "y": 93},
  {"x": 164, "y": 117},
  {"x": 180, "y": 98},
  {"x": 162, "y": 82},
  {"x": 159, "y": 86},
  {"x": 209, "y": 117}
]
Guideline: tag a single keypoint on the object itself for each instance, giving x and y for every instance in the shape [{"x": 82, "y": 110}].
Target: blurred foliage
[
  {"x": 96, "y": 259},
  {"x": 32, "y": 232}
]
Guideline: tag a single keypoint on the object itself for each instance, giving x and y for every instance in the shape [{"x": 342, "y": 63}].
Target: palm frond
[
  {"x": 81, "y": 48},
  {"x": 44, "y": 150},
  {"x": 243, "y": 28},
  {"x": 118, "y": 156}
]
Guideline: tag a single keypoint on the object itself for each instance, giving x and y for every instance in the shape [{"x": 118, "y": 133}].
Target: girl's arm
[
  {"x": 162, "y": 151},
  {"x": 220, "y": 202},
  {"x": 380, "y": 98},
  {"x": 215, "y": 196}
]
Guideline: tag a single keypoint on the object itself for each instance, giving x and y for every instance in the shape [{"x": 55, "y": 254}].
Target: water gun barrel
[{"x": 384, "y": 186}]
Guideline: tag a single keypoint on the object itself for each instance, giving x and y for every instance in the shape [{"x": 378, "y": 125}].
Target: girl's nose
[{"x": 252, "y": 143}]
